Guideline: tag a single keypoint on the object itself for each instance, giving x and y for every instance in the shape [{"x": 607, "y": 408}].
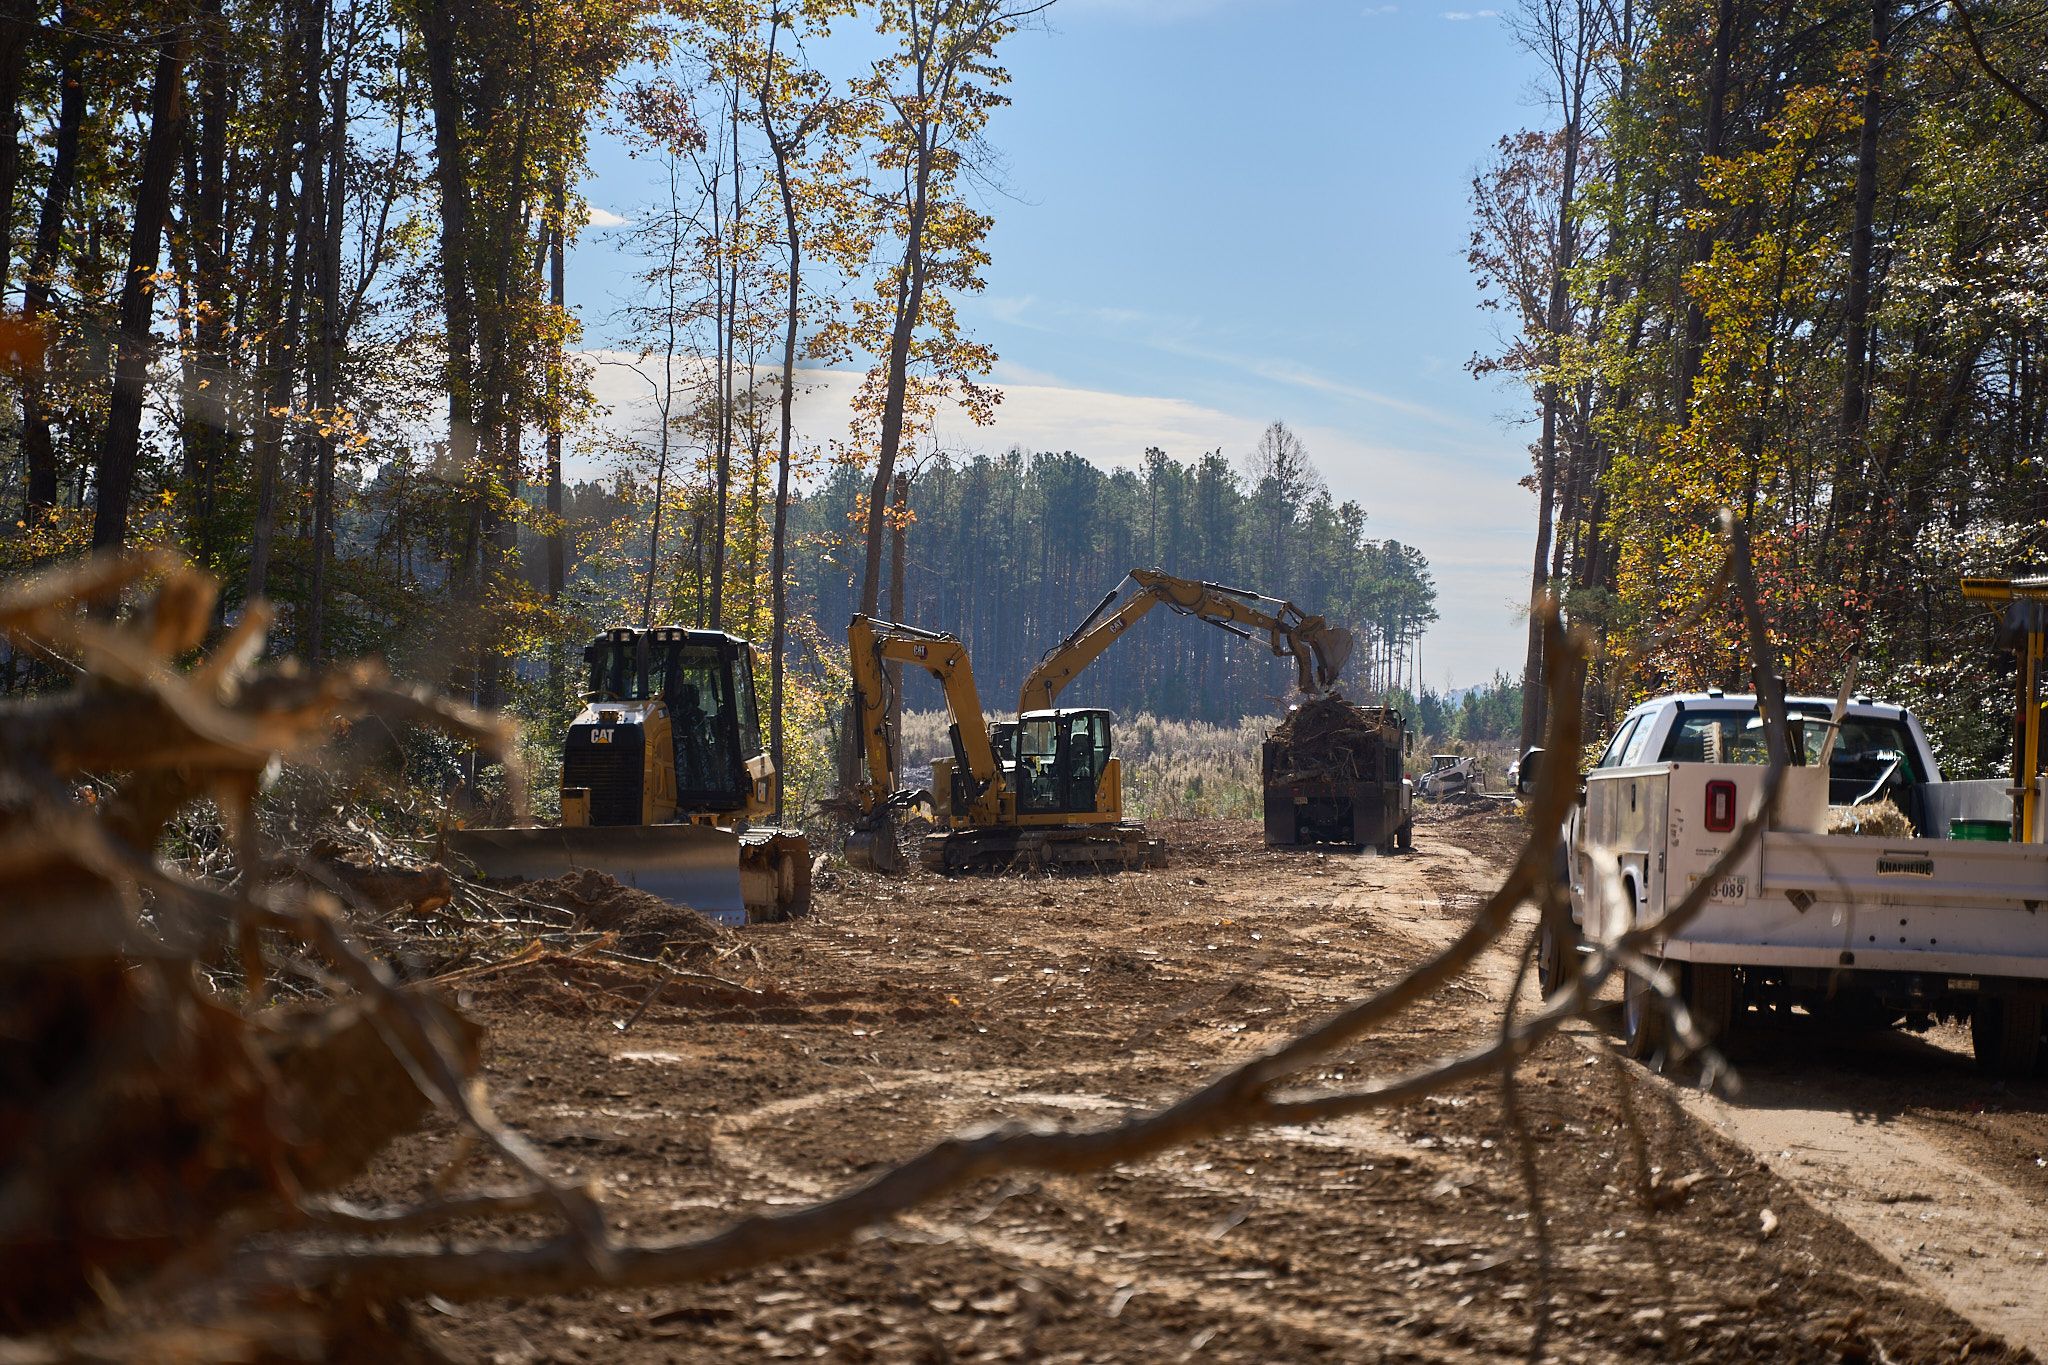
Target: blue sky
[{"x": 1214, "y": 214}]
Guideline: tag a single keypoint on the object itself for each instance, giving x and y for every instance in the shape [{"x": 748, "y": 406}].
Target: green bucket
[{"x": 1983, "y": 831}]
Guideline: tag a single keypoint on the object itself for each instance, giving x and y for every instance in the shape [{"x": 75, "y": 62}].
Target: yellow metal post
[{"x": 2024, "y": 629}]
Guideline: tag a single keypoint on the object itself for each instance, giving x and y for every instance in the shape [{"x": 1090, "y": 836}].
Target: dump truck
[
  {"x": 1331, "y": 774},
  {"x": 664, "y": 781}
]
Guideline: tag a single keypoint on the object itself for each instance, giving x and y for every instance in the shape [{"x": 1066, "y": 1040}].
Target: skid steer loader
[{"x": 662, "y": 772}]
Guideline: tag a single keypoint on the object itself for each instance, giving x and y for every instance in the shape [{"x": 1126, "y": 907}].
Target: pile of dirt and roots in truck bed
[{"x": 1331, "y": 739}]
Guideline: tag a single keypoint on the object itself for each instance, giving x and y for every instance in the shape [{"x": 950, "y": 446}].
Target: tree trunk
[
  {"x": 557, "y": 531},
  {"x": 1727, "y": 15},
  {"x": 17, "y": 27},
  {"x": 281, "y": 308},
  {"x": 38, "y": 447},
  {"x": 1856, "y": 292},
  {"x": 1555, "y": 321},
  {"x": 778, "y": 555},
  {"x": 119, "y": 448},
  {"x": 727, "y": 362},
  {"x": 328, "y": 366},
  {"x": 910, "y": 302},
  {"x": 899, "y": 501}
]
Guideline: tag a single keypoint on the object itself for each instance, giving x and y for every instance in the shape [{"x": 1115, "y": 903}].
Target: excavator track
[{"x": 1096, "y": 848}]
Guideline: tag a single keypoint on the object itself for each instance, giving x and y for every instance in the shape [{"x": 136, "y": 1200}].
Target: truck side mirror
[{"x": 1525, "y": 773}]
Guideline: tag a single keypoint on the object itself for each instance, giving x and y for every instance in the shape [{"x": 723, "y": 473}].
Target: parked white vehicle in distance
[
  {"x": 1448, "y": 773},
  {"x": 1875, "y": 929}
]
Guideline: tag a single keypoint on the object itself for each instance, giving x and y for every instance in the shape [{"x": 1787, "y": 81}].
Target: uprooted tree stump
[{"x": 150, "y": 1120}]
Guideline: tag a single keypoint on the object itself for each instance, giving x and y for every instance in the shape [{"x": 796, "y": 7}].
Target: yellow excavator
[
  {"x": 1052, "y": 796},
  {"x": 1319, "y": 650},
  {"x": 663, "y": 778}
]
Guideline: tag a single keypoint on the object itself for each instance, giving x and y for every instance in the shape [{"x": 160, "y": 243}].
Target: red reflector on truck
[{"x": 1720, "y": 806}]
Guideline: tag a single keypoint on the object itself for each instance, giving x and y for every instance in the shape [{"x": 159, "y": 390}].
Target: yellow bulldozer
[{"x": 664, "y": 778}]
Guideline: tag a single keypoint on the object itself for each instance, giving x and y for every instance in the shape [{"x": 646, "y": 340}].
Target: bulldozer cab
[
  {"x": 705, "y": 680},
  {"x": 1060, "y": 756}
]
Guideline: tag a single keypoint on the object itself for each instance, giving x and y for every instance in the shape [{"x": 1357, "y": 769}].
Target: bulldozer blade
[{"x": 692, "y": 865}]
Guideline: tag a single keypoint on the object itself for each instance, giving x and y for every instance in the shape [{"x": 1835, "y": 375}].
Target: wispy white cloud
[
  {"x": 1459, "y": 16},
  {"x": 603, "y": 218},
  {"x": 1185, "y": 337},
  {"x": 1374, "y": 11}
]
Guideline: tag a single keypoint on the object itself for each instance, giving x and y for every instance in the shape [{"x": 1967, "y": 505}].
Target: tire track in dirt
[
  {"x": 1968, "y": 1237},
  {"x": 1362, "y": 900},
  {"x": 1062, "y": 1257}
]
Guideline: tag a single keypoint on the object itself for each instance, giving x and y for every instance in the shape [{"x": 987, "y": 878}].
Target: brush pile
[
  {"x": 1331, "y": 740},
  {"x": 156, "y": 1112}
]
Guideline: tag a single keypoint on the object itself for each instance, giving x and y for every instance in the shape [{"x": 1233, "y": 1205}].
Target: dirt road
[{"x": 905, "y": 1010}]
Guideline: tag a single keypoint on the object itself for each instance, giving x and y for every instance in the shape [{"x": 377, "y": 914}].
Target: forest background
[{"x": 285, "y": 283}]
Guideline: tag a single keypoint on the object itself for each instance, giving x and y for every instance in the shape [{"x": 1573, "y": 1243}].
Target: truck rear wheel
[
  {"x": 2005, "y": 1033},
  {"x": 1710, "y": 996},
  {"x": 1642, "y": 1020}
]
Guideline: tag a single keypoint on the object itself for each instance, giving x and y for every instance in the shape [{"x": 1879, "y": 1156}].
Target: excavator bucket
[{"x": 693, "y": 865}]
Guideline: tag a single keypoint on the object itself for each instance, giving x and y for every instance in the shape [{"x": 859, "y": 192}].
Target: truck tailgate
[
  {"x": 1877, "y": 872},
  {"x": 1920, "y": 905}
]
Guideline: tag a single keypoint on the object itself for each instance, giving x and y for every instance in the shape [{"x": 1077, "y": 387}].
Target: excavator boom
[
  {"x": 873, "y": 645},
  {"x": 1319, "y": 650}
]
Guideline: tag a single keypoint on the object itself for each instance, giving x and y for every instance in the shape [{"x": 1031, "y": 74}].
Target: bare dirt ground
[{"x": 902, "y": 1011}]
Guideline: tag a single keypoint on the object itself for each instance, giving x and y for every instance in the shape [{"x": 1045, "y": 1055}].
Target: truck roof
[{"x": 1860, "y": 705}]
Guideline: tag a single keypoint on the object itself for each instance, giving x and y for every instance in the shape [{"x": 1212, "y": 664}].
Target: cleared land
[{"x": 903, "y": 1010}]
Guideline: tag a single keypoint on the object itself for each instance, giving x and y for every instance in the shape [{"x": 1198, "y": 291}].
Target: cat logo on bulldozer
[{"x": 600, "y": 736}]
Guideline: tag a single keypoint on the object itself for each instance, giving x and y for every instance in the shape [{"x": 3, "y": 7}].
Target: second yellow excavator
[
  {"x": 1052, "y": 796},
  {"x": 1319, "y": 649}
]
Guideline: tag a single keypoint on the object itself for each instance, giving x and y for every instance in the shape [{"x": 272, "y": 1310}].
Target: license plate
[{"x": 1726, "y": 889}]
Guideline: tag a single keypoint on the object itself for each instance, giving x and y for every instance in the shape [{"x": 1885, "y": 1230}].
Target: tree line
[
  {"x": 1012, "y": 552},
  {"x": 1789, "y": 256}
]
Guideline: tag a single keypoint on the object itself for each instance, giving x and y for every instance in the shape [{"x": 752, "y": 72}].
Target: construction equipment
[
  {"x": 1055, "y": 798},
  {"x": 663, "y": 772},
  {"x": 1448, "y": 773},
  {"x": 1317, "y": 648},
  {"x": 1332, "y": 775}
]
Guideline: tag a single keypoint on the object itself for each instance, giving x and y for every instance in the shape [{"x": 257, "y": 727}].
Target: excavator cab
[{"x": 1060, "y": 758}]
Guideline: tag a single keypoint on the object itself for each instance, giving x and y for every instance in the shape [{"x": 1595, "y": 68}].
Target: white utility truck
[{"x": 1878, "y": 929}]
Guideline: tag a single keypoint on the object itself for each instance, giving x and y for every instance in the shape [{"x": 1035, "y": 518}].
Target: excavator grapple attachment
[{"x": 872, "y": 846}]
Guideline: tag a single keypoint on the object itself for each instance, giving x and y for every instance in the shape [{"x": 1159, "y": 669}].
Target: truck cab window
[{"x": 1611, "y": 758}]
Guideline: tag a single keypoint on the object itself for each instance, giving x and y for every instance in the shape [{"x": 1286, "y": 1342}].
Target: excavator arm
[
  {"x": 1318, "y": 649},
  {"x": 872, "y": 646}
]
